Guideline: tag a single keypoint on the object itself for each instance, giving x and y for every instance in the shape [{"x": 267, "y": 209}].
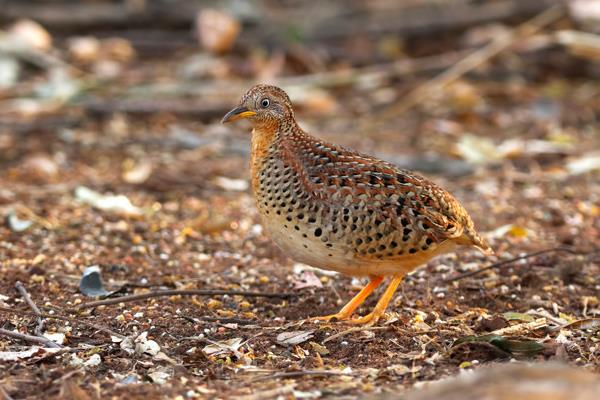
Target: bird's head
[{"x": 263, "y": 106}]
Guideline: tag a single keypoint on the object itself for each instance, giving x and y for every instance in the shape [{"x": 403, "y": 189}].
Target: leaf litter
[{"x": 156, "y": 192}]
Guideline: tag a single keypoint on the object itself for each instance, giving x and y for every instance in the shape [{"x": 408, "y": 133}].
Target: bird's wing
[{"x": 393, "y": 196}]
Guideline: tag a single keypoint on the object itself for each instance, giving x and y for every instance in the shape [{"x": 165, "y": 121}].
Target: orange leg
[
  {"x": 348, "y": 309},
  {"x": 382, "y": 304}
]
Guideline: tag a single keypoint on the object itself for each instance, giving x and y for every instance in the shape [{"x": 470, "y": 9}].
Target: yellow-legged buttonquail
[{"x": 337, "y": 209}]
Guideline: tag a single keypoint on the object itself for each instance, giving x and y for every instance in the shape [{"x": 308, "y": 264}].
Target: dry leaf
[
  {"x": 216, "y": 30},
  {"x": 20, "y": 355},
  {"x": 292, "y": 338},
  {"x": 119, "y": 204}
]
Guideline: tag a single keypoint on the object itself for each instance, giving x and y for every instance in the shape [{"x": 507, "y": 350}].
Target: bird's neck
[{"x": 268, "y": 140}]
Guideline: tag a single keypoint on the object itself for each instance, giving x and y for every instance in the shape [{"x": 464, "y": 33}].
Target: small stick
[
  {"x": 40, "y": 325},
  {"x": 297, "y": 374},
  {"x": 355, "y": 329},
  {"x": 188, "y": 292},
  {"x": 71, "y": 320},
  {"x": 510, "y": 261},
  {"x": 29, "y": 338},
  {"x": 474, "y": 60}
]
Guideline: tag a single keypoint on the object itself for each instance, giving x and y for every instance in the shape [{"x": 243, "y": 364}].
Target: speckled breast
[{"x": 301, "y": 226}]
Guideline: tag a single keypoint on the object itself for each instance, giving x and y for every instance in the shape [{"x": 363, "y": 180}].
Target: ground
[{"x": 516, "y": 150}]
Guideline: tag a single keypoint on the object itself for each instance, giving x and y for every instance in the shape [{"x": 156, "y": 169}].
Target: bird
[{"x": 337, "y": 209}]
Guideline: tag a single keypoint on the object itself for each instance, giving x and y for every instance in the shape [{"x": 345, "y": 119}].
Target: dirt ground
[{"x": 513, "y": 140}]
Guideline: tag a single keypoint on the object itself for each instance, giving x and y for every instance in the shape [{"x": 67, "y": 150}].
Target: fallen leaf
[
  {"x": 159, "y": 376},
  {"x": 292, "y": 338},
  {"x": 138, "y": 173},
  {"x": 93, "y": 361},
  {"x": 112, "y": 203},
  {"x": 588, "y": 323},
  {"x": 236, "y": 185},
  {"x": 223, "y": 347},
  {"x": 512, "y": 230},
  {"x": 216, "y": 30},
  {"x": 84, "y": 49},
  {"x": 320, "y": 349},
  {"x": 143, "y": 345},
  {"x": 31, "y": 352},
  {"x": 307, "y": 279},
  {"x": 30, "y": 34},
  {"x": 477, "y": 149},
  {"x": 401, "y": 369},
  {"x": 586, "y": 163},
  {"x": 56, "y": 337}
]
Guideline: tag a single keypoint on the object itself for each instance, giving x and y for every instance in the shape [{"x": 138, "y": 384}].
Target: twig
[
  {"x": 522, "y": 329},
  {"x": 71, "y": 320},
  {"x": 29, "y": 338},
  {"x": 188, "y": 292},
  {"x": 55, "y": 354},
  {"x": 333, "y": 79},
  {"x": 296, "y": 374},
  {"x": 40, "y": 321},
  {"x": 510, "y": 261},
  {"x": 276, "y": 393},
  {"x": 475, "y": 59},
  {"x": 230, "y": 320}
]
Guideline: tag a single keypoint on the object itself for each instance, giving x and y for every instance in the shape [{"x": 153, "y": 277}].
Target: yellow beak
[{"x": 237, "y": 113}]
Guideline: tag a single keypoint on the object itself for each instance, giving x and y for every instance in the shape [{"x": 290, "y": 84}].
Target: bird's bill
[{"x": 237, "y": 113}]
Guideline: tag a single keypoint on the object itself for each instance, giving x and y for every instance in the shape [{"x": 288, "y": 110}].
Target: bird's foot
[
  {"x": 369, "y": 319},
  {"x": 341, "y": 316}
]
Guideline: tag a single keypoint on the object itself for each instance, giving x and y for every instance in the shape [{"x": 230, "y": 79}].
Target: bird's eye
[{"x": 265, "y": 103}]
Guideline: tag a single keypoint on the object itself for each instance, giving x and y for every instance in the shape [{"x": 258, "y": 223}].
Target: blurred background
[
  {"x": 112, "y": 153},
  {"x": 127, "y": 95}
]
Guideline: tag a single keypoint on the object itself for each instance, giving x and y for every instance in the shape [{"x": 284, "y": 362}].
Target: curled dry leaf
[
  {"x": 293, "y": 338},
  {"x": 307, "y": 279},
  {"x": 223, "y": 347},
  {"x": 143, "y": 345}
]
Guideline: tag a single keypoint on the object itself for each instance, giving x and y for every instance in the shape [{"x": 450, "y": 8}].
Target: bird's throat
[{"x": 263, "y": 138}]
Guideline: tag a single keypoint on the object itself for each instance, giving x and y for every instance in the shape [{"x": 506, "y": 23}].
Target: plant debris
[{"x": 115, "y": 168}]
